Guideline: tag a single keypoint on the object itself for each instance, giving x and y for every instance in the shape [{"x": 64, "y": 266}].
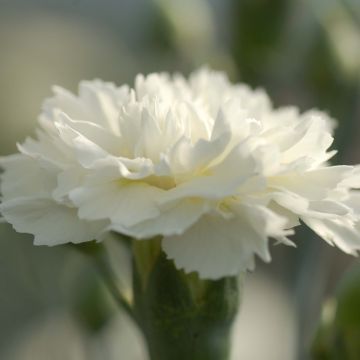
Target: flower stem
[
  {"x": 109, "y": 280},
  {"x": 182, "y": 316},
  {"x": 97, "y": 253}
]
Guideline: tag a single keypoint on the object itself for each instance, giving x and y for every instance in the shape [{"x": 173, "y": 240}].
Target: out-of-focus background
[{"x": 303, "y": 52}]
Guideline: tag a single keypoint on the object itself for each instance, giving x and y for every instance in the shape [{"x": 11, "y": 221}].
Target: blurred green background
[{"x": 303, "y": 52}]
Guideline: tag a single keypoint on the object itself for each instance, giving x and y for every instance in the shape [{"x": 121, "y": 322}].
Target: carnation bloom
[{"x": 209, "y": 166}]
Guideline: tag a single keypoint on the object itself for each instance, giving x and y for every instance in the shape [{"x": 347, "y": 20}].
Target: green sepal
[{"x": 182, "y": 316}]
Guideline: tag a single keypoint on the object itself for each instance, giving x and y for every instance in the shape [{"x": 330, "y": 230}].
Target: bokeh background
[{"x": 303, "y": 52}]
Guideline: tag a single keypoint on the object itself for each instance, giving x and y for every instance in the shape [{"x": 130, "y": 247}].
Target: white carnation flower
[{"x": 210, "y": 166}]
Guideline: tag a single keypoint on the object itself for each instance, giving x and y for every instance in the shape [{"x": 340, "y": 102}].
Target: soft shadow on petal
[
  {"x": 342, "y": 233},
  {"x": 49, "y": 222},
  {"x": 125, "y": 204},
  {"x": 218, "y": 247},
  {"x": 173, "y": 221}
]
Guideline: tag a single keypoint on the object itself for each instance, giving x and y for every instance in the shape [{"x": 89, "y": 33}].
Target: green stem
[
  {"x": 97, "y": 253},
  {"x": 109, "y": 280},
  {"x": 182, "y": 316}
]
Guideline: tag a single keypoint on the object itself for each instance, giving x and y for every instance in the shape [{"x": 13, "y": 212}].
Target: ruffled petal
[
  {"x": 49, "y": 222},
  {"x": 122, "y": 202},
  {"x": 340, "y": 232},
  {"x": 216, "y": 246},
  {"x": 219, "y": 181},
  {"x": 172, "y": 221},
  {"x": 23, "y": 176}
]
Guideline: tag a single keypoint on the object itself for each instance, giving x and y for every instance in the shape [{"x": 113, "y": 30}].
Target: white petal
[
  {"x": 50, "y": 223},
  {"x": 353, "y": 179},
  {"x": 123, "y": 203},
  {"x": 114, "y": 168},
  {"x": 92, "y": 131},
  {"x": 217, "y": 247},
  {"x": 23, "y": 176},
  {"x": 292, "y": 219},
  {"x": 173, "y": 221},
  {"x": 67, "y": 181},
  {"x": 329, "y": 207},
  {"x": 291, "y": 201},
  {"x": 48, "y": 151},
  {"x": 87, "y": 152},
  {"x": 187, "y": 158},
  {"x": 313, "y": 185},
  {"x": 353, "y": 201},
  {"x": 313, "y": 139},
  {"x": 224, "y": 179},
  {"x": 341, "y": 233},
  {"x": 97, "y": 102},
  {"x": 301, "y": 206},
  {"x": 103, "y": 102}
]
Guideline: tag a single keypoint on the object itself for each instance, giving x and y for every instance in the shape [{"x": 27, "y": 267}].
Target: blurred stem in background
[
  {"x": 258, "y": 26},
  {"x": 339, "y": 331},
  {"x": 190, "y": 29},
  {"x": 98, "y": 254}
]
